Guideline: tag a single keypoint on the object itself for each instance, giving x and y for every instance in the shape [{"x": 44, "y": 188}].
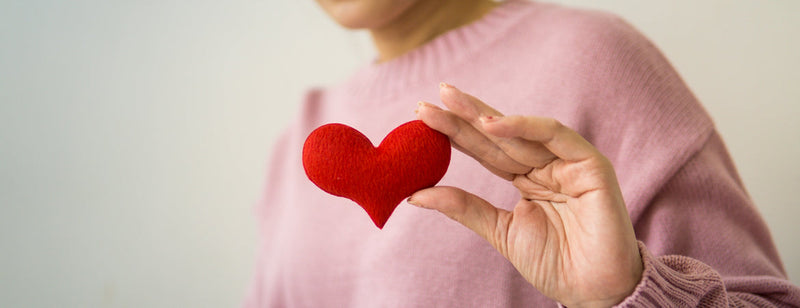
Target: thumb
[{"x": 468, "y": 209}]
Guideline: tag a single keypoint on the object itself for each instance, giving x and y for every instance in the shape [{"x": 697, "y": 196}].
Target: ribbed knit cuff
[{"x": 675, "y": 281}]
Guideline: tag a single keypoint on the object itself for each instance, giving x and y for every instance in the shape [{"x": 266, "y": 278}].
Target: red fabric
[
  {"x": 592, "y": 72},
  {"x": 343, "y": 162}
]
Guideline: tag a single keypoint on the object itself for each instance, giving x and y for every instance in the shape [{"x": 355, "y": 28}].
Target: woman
[{"x": 628, "y": 198}]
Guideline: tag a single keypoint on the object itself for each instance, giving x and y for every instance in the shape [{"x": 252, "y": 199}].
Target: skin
[
  {"x": 399, "y": 26},
  {"x": 569, "y": 235}
]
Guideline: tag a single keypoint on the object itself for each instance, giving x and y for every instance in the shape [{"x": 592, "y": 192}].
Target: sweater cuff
[{"x": 674, "y": 281}]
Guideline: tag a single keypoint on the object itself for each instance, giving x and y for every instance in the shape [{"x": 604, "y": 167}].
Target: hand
[{"x": 569, "y": 235}]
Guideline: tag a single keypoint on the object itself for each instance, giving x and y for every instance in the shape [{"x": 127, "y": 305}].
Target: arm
[
  {"x": 570, "y": 234},
  {"x": 711, "y": 243},
  {"x": 680, "y": 281}
]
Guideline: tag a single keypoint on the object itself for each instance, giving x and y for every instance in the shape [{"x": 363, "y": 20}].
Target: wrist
[{"x": 616, "y": 292}]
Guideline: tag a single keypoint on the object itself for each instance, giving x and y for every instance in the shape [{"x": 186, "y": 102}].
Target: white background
[{"x": 134, "y": 134}]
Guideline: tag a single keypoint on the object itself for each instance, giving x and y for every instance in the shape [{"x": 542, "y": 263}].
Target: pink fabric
[{"x": 702, "y": 240}]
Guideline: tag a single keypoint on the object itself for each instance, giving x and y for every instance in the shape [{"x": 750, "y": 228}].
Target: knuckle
[
  {"x": 520, "y": 181},
  {"x": 456, "y": 124},
  {"x": 556, "y": 125},
  {"x": 458, "y": 204},
  {"x": 553, "y": 129},
  {"x": 517, "y": 120}
]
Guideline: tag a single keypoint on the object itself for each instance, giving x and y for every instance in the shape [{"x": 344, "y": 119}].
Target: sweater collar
[{"x": 434, "y": 58}]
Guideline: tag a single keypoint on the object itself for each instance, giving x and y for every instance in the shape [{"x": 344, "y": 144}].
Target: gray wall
[{"x": 134, "y": 134}]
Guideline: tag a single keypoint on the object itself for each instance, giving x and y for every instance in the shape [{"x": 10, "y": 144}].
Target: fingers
[
  {"x": 472, "y": 110},
  {"x": 503, "y": 174},
  {"x": 470, "y": 210},
  {"x": 557, "y": 138},
  {"x": 505, "y": 145},
  {"x": 466, "y": 106},
  {"x": 469, "y": 140}
]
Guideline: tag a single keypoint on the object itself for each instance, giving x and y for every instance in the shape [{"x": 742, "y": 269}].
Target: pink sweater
[{"x": 702, "y": 239}]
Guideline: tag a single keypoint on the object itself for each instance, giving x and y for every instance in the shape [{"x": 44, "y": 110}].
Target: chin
[{"x": 364, "y": 14}]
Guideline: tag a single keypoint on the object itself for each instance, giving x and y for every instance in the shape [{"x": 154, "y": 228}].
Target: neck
[{"x": 424, "y": 21}]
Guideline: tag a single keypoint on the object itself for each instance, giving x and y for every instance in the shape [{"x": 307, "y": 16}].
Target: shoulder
[
  {"x": 306, "y": 117},
  {"x": 595, "y": 58},
  {"x": 573, "y": 18},
  {"x": 601, "y": 76},
  {"x": 582, "y": 34},
  {"x": 587, "y": 50}
]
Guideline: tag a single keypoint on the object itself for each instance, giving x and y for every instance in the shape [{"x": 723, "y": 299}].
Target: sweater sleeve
[
  {"x": 265, "y": 290},
  {"x": 703, "y": 240},
  {"x": 706, "y": 244},
  {"x": 680, "y": 281}
]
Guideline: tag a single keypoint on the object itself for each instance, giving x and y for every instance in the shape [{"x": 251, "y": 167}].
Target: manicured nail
[
  {"x": 443, "y": 85},
  {"x": 489, "y": 119}
]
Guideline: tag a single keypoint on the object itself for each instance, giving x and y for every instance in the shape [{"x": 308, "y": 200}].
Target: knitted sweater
[{"x": 702, "y": 240}]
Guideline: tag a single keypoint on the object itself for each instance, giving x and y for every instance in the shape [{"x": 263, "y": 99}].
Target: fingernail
[
  {"x": 489, "y": 119},
  {"x": 443, "y": 85},
  {"x": 412, "y": 201},
  {"x": 424, "y": 104}
]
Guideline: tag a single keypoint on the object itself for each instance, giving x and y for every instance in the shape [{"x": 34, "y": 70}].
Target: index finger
[
  {"x": 471, "y": 110},
  {"x": 466, "y": 106},
  {"x": 562, "y": 141}
]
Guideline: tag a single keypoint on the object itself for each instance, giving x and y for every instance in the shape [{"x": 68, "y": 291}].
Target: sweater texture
[{"x": 702, "y": 240}]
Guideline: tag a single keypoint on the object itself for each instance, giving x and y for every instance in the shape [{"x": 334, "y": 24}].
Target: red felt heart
[{"x": 343, "y": 162}]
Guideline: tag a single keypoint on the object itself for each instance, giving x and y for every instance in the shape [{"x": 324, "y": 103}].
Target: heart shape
[{"x": 343, "y": 162}]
